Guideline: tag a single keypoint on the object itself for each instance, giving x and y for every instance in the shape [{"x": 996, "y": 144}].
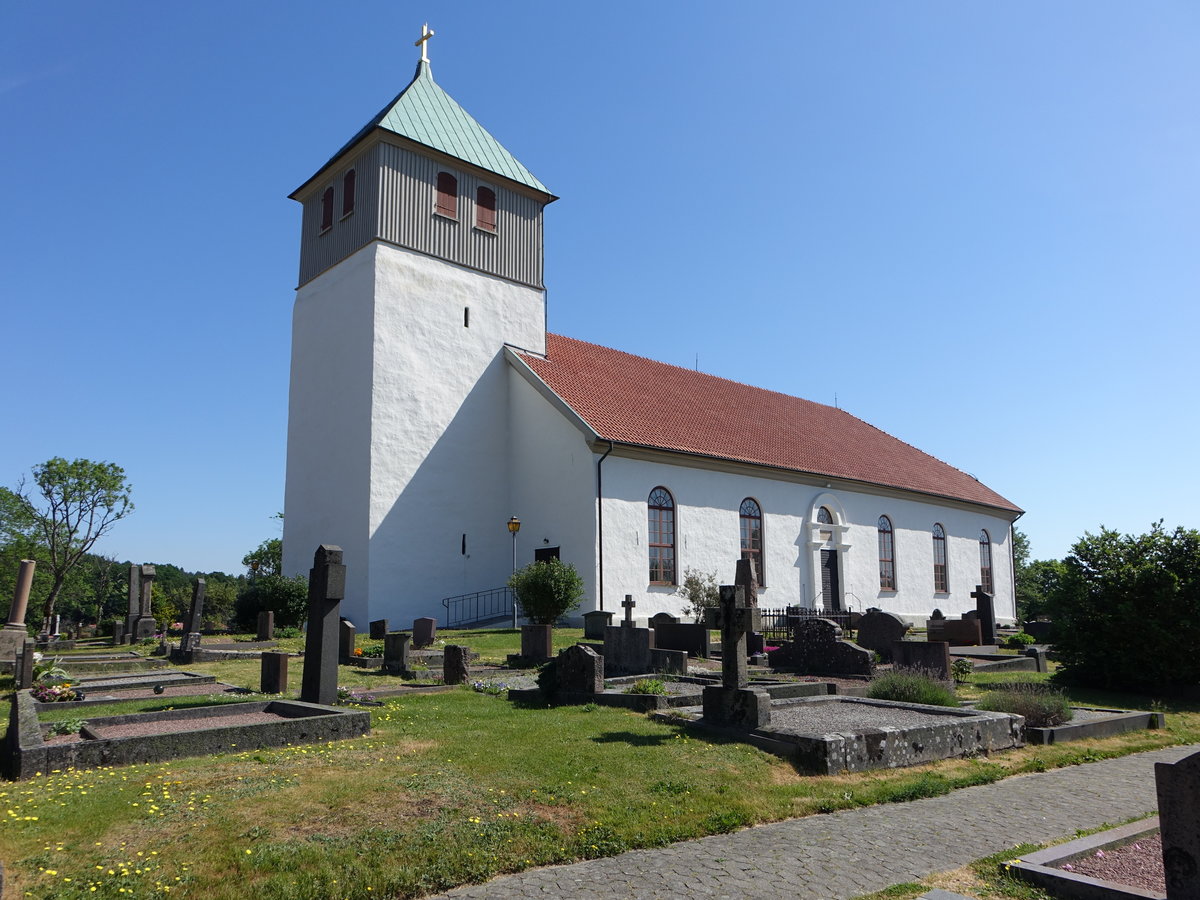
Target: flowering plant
[
  {"x": 495, "y": 688},
  {"x": 52, "y": 693}
]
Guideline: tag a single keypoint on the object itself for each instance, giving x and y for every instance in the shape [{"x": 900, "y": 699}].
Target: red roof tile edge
[{"x": 637, "y": 401}]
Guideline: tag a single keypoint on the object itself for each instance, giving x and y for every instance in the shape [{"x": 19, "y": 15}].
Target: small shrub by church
[{"x": 547, "y": 590}]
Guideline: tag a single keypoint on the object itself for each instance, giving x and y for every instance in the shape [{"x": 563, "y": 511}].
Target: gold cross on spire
[{"x": 426, "y": 34}]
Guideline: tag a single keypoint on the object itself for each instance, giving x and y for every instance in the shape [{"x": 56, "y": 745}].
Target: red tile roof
[{"x": 632, "y": 400}]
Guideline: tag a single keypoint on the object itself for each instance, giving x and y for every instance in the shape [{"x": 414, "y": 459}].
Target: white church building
[{"x": 429, "y": 407}]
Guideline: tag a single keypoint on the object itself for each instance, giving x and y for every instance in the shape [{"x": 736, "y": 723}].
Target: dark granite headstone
[
  {"x": 933, "y": 656},
  {"x": 746, "y": 577},
  {"x": 118, "y": 632},
  {"x": 755, "y": 643},
  {"x": 627, "y": 649},
  {"x": 580, "y": 670},
  {"x": 1038, "y": 655},
  {"x": 668, "y": 662},
  {"x": 347, "y": 634},
  {"x": 266, "y": 626},
  {"x": 985, "y": 610},
  {"x": 962, "y": 632},
  {"x": 595, "y": 622},
  {"x": 1039, "y": 631},
  {"x": 424, "y": 632},
  {"x": 663, "y": 618},
  {"x": 396, "y": 645},
  {"x": 878, "y": 630},
  {"x": 537, "y": 642},
  {"x": 1178, "y": 786},
  {"x": 817, "y": 648},
  {"x": 692, "y": 639},
  {"x": 379, "y": 628},
  {"x": 454, "y": 664},
  {"x": 326, "y": 590},
  {"x": 935, "y": 627},
  {"x": 273, "y": 676},
  {"x": 135, "y": 599}
]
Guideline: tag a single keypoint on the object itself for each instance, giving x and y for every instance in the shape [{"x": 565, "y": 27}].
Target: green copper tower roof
[{"x": 425, "y": 113}]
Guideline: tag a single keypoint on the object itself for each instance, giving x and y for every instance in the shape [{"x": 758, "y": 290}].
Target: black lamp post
[{"x": 514, "y": 525}]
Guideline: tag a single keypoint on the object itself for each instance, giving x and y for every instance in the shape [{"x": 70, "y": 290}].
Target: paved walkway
[{"x": 844, "y": 854}]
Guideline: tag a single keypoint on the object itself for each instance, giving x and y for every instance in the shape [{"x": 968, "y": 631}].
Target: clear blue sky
[{"x": 974, "y": 224}]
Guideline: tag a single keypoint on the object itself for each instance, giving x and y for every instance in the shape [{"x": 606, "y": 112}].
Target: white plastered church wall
[
  {"x": 437, "y": 434},
  {"x": 329, "y": 420},
  {"x": 553, "y": 484},
  {"x": 708, "y": 539}
]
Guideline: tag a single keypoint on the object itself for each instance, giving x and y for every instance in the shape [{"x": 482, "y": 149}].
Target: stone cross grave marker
[
  {"x": 986, "y": 613},
  {"x": 191, "y": 629},
  {"x": 326, "y": 590},
  {"x": 629, "y": 604},
  {"x": 736, "y": 620}
]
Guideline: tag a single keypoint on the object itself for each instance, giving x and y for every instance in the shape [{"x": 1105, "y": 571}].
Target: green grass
[{"x": 449, "y": 788}]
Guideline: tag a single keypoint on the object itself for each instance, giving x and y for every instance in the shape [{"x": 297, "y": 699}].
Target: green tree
[
  {"x": 1036, "y": 579},
  {"x": 547, "y": 589},
  {"x": 1127, "y": 610},
  {"x": 701, "y": 592},
  {"x": 266, "y": 558},
  {"x": 67, "y": 509}
]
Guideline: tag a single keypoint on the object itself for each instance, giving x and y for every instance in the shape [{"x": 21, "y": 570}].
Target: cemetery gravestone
[
  {"x": 118, "y": 632},
  {"x": 273, "y": 676},
  {"x": 12, "y": 636},
  {"x": 935, "y": 626},
  {"x": 817, "y": 648},
  {"x": 746, "y": 578},
  {"x": 594, "y": 623},
  {"x": 135, "y": 599},
  {"x": 580, "y": 670},
  {"x": 326, "y": 589},
  {"x": 424, "y": 631},
  {"x": 734, "y": 702},
  {"x": 395, "y": 652},
  {"x": 191, "y": 628},
  {"x": 628, "y": 604},
  {"x": 379, "y": 628},
  {"x": 878, "y": 630},
  {"x": 537, "y": 642},
  {"x": 691, "y": 639},
  {"x": 454, "y": 665},
  {"x": 346, "y": 636},
  {"x": 266, "y": 626},
  {"x": 1178, "y": 787},
  {"x": 25, "y": 665},
  {"x": 985, "y": 611},
  {"x": 627, "y": 650},
  {"x": 962, "y": 632},
  {"x": 932, "y": 656},
  {"x": 1038, "y": 655},
  {"x": 663, "y": 618},
  {"x": 145, "y": 626}
]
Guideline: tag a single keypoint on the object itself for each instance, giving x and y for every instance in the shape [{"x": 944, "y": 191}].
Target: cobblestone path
[{"x": 844, "y": 854}]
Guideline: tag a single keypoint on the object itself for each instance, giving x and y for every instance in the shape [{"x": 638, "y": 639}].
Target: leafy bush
[
  {"x": 547, "y": 590},
  {"x": 68, "y": 726},
  {"x": 647, "y": 686},
  {"x": 1019, "y": 641},
  {"x": 700, "y": 591},
  {"x": 1127, "y": 610},
  {"x": 961, "y": 670},
  {"x": 371, "y": 650},
  {"x": 286, "y": 597},
  {"x": 912, "y": 686},
  {"x": 1042, "y": 706}
]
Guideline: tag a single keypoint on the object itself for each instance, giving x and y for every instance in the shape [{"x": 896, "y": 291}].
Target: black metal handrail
[
  {"x": 480, "y": 606},
  {"x": 775, "y": 621}
]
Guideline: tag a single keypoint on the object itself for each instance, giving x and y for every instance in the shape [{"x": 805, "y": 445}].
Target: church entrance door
[{"x": 831, "y": 594}]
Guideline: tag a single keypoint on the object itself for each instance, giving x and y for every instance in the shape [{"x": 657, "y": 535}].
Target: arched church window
[
  {"x": 327, "y": 209},
  {"x": 941, "y": 581},
  {"x": 447, "y": 195},
  {"x": 985, "y": 561},
  {"x": 887, "y": 555},
  {"x": 824, "y": 516},
  {"x": 661, "y": 521},
  {"x": 348, "y": 192},
  {"x": 750, "y": 515},
  {"x": 485, "y": 209}
]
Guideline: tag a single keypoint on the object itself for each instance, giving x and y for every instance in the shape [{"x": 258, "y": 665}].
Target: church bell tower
[{"x": 420, "y": 259}]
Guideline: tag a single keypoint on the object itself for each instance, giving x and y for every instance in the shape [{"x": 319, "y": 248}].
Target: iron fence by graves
[{"x": 775, "y": 621}]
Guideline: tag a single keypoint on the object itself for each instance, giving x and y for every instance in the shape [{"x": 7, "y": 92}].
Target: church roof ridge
[
  {"x": 635, "y": 400},
  {"x": 425, "y": 113}
]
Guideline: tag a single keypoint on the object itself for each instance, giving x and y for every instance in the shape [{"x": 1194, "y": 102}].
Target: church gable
[{"x": 631, "y": 400}]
